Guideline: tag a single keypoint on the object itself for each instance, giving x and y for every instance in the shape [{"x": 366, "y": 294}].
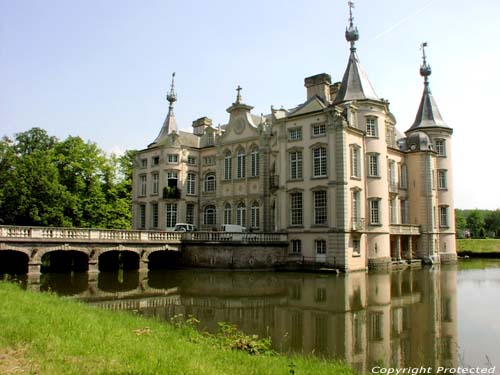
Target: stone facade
[{"x": 333, "y": 173}]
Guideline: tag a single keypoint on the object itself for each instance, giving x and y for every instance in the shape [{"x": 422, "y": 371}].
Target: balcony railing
[
  {"x": 171, "y": 192},
  {"x": 358, "y": 224}
]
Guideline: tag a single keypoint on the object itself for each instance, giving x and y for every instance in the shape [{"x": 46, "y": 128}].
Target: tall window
[
  {"x": 296, "y": 246},
  {"x": 373, "y": 167},
  {"x": 190, "y": 213},
  {"x": 154, "y": 215},
  {"x": 296, "y": 215},
  {"x": 255, "y": 161},
  {"x": 404, "y": 211},
  {"x": 371, "y": 127},
  {"x": 172, "y": 179},
  {"x": 227, "y": 213},
  {"x": 209, "y": 215},
  {"x": 391, "y": 172},
  {"x": 442, "y": 180},
  {"x": 156, "y": 181},
  {"x": 191, "y": 184},
  {"x": 320, "y": 207},
  {"x": 142, "y": 185},
  {"x": 443, "y": 216},
  {"x": 241, "y": 213},
  {"x": 441, "y": 147},
  {"x": 319, "y": 162},
  {"x": 228, "y": 165},
  {"x": 170, "y": 214},
  {"x": 403, "y": 178},
  {"x": 393, "y": 211},
  {"x": 142, "y": 216},
  {"x": 320, "y": 246},
  {"x": 255, "y": 215},
  {"x": 241, "y": 161},
  {"x": 356, "y": 209},
  {"x": 295, "y": 165},
  {"x": 355, "y": 162},
  {"x": 210, "y": 182},
  {"x": 375, "y": 212}
]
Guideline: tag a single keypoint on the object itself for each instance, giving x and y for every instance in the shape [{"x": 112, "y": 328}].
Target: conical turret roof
[
  {"x": 355, "y": 83},
  {"x": 169, "y": 125},
  {"x": 428, "y": 115}
]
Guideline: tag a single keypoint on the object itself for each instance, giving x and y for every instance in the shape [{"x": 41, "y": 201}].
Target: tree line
[
  {"x": 477, "y": 223},
  {"x": 70, "y": 183}
]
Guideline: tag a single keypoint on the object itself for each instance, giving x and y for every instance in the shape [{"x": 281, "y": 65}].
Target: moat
[{"x": 440, "y": 316}]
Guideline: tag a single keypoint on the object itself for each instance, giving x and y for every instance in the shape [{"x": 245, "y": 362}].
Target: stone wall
[{"x": 233, "y": 255}]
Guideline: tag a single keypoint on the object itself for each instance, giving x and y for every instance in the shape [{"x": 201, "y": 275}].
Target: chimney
[
  {"x": 334, "y": 89},
  {"x": 200, "y": 125},
  {"x": 319, "y": 85}
]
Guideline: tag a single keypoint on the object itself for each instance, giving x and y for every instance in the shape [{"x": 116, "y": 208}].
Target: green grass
[
  {"x": 479, "y": 245},
  {"x": 46, "y": 334}
]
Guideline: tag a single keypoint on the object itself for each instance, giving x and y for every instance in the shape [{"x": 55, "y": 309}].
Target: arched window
[
  {"x": 210, "y": 182},
  {"x": 255, "y": 161},
  {"x": 255, "y": 222},
  {"x": 241, "y": 213},
  {"x": 241, "y": 157},
  {"x": 228, "y": 165},
  {"x": 210, "y": 215},
  {"x": 227, "y": 213}
]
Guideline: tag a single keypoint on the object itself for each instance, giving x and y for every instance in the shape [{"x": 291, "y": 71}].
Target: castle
[{"x": 333, "y": 173}]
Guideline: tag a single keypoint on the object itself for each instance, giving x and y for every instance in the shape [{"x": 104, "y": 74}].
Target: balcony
[
  {"x": 393, "y": 187},
  {"x": 171, "y": 192},
  {"x": 358, "y": 224},
  {"x": 404, "y": 229}
]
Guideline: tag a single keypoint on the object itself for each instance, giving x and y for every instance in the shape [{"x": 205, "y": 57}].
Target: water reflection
[{"x": 399, "y": 319}]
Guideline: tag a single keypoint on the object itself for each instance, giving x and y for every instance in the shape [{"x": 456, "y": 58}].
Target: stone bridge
[{"x": 43, "y": 249}]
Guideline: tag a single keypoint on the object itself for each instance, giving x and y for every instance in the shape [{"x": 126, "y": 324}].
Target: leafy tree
[
  {"x": 475, "y": 223},
  {"x": 492, "y": 222},
  {"x": 63, "y": 183},
  {"x": 460, "y": 223}
]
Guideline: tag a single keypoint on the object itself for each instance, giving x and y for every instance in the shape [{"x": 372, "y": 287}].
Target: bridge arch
[
  {"x": 64, "y": 261},
  {"x": 119, "y": 259},
  {"x": 14, "y": 262},
  {"x": 164, "y": 259}
]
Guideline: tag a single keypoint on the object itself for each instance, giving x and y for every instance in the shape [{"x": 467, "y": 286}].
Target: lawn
[
  {"x": 45, "y": 334},
  {"x": 488, "y": 245}
]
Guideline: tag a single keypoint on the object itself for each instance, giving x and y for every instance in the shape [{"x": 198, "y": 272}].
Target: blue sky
[{"x": 101, "y": 69}]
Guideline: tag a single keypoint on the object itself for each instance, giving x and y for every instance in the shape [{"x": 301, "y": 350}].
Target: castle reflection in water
[{"x": 398, "y": 319}]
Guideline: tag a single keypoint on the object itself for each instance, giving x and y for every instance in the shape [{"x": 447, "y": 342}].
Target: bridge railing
[
  {"x": 48, "y": 233},
  {"x": 89, "y": 234}
]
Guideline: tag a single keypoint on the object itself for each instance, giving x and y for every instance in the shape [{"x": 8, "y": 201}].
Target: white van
[
  {"x": 183, "y": 227},
  {"x": 233, "y": 228},
  {"x": 233, "y": 232}
]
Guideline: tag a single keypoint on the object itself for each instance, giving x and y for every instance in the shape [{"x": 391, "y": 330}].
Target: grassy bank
[
  {"x": 479, "y": 246},
  {"x": 44, "y": 334}
]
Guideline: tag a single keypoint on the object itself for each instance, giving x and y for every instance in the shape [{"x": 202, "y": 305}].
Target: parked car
[{"x": 183, "y": 227}]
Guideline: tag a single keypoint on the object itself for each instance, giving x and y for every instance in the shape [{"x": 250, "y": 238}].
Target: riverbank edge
[
  {"x": 488, "y": 248},
  {"x": 46, "y": 334}
]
